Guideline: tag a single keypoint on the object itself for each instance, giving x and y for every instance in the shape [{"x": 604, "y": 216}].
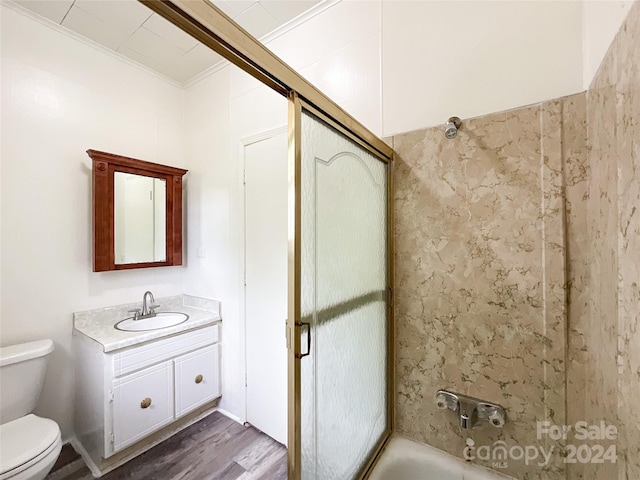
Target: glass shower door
[{"x": 344, "y": 311}]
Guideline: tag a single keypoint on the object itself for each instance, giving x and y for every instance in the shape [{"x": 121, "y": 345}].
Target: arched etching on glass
[{"x": 344, "y": 279}]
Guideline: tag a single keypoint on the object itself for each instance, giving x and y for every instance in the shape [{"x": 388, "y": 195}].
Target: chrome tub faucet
[{"x": 471, "y": 410}]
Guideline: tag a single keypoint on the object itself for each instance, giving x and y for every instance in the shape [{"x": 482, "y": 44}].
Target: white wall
[
  {"x": 220, "y": 112},
  {"x": 230, "y": 106},
  {"x": 338, "y": 51},
  {"x": 470, "y": 58},
  {"x": 61, "y": 97},
  {"x": 400, "y": 65},
  {"x": 212, "y": 216},
  {"x": 416, "y": 63},
  {"x": 601, "y": 22}
]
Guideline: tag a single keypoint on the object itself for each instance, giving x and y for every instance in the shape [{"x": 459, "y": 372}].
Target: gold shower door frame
[
  {"x": 206, "y": 23},
  {"x": 294, "y": 320}
]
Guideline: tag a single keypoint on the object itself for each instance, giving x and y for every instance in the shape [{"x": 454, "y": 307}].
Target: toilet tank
[{"x": 22, "y": 371}]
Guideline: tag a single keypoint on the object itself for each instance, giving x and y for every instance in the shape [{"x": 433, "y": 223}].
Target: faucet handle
[
  {"x": 447, "y": 400},
  {"x": 154, "y": 306},
  {"x": 497, "y": 418},
  {"x": 136, "y": 313}
]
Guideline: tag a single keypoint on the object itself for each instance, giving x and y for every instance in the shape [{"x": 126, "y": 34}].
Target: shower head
[{"x": 451, "y": 127}]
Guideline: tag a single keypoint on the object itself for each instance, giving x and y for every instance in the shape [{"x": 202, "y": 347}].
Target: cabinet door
[
  {"x": 142, "y": 403},
  {"x": 197, "y": 379}
]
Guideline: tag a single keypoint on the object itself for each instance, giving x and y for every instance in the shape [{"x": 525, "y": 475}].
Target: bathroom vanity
[{"x": 135, "y": 389}]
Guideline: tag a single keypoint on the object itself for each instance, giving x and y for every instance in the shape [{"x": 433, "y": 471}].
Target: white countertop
[{"x": 98, "y": 325}]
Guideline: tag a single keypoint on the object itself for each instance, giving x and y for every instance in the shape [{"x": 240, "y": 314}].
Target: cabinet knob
[
  {"x": 199, "y": 378},
  {"x": 146, "y": 403}
]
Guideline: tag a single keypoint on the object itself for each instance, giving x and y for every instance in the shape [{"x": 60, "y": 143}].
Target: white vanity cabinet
[{"x": 126, "y": 396}]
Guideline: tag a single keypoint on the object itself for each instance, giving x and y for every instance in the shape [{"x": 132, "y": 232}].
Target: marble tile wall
[
  {"x": 480, "y": 276},
  {"x": 627, "y": 49},
  {"x": 576, "y": 176},
  {"x": 517, "y": 252},
  {"x": 601, "y": 335},
  {"x": 613, "y": 336}
]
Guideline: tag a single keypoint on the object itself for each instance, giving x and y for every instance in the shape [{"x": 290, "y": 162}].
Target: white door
[{"x": 266, "y": 284}]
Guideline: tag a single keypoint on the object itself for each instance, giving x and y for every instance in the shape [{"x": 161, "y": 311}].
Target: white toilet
[{"x": 29, "y": 445}]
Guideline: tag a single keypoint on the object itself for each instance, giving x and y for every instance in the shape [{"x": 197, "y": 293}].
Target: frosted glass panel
[{"x": 344, "y": 282}]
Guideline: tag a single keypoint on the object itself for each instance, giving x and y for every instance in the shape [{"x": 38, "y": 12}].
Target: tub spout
[
  {"x": 468, "y": 414},
  {"x": 465, "y": 421}
]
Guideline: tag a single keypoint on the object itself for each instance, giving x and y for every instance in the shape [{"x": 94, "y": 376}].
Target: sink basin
[{"x": 161, "y": 320}]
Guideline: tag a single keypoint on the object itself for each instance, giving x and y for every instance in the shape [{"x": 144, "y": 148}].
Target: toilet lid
[{"x": 24, "y": 439}]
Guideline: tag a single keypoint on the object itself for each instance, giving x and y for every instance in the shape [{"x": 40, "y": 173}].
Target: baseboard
[
  {"x": 230, "y": 415},
  {"x": 77, "y": 446}
]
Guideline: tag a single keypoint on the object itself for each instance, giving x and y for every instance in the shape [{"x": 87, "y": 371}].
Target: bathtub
[{"x": 404, "y": 459}]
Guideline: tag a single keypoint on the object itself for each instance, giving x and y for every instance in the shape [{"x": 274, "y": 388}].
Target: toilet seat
[{"x": 25, "y": 442}]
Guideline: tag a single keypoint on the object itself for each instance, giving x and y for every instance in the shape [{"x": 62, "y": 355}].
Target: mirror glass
[{"x": 140, "y": 206}]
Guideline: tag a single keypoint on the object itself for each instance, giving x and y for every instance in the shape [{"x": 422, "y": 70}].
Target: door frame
[{"x": 244, "y": 143}]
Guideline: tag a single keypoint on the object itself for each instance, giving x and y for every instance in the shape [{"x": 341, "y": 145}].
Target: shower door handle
[{"x": 308, "y": 324}]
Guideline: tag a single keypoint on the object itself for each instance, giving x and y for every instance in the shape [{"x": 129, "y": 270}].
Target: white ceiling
[{"x": 131, "y": 29}]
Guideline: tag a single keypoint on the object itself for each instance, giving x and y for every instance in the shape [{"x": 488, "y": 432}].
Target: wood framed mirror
[{"x": 137, "y": 213}]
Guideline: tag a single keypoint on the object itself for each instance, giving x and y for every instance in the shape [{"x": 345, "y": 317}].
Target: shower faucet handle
[
  {"x": 496, "y": 417},
  {"x": 447, "y": 400}
]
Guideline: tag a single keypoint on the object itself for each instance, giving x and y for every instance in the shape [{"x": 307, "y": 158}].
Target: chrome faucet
[
  {"x": 148, "y": 309},
  {"x": 471, "y": 410}
]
